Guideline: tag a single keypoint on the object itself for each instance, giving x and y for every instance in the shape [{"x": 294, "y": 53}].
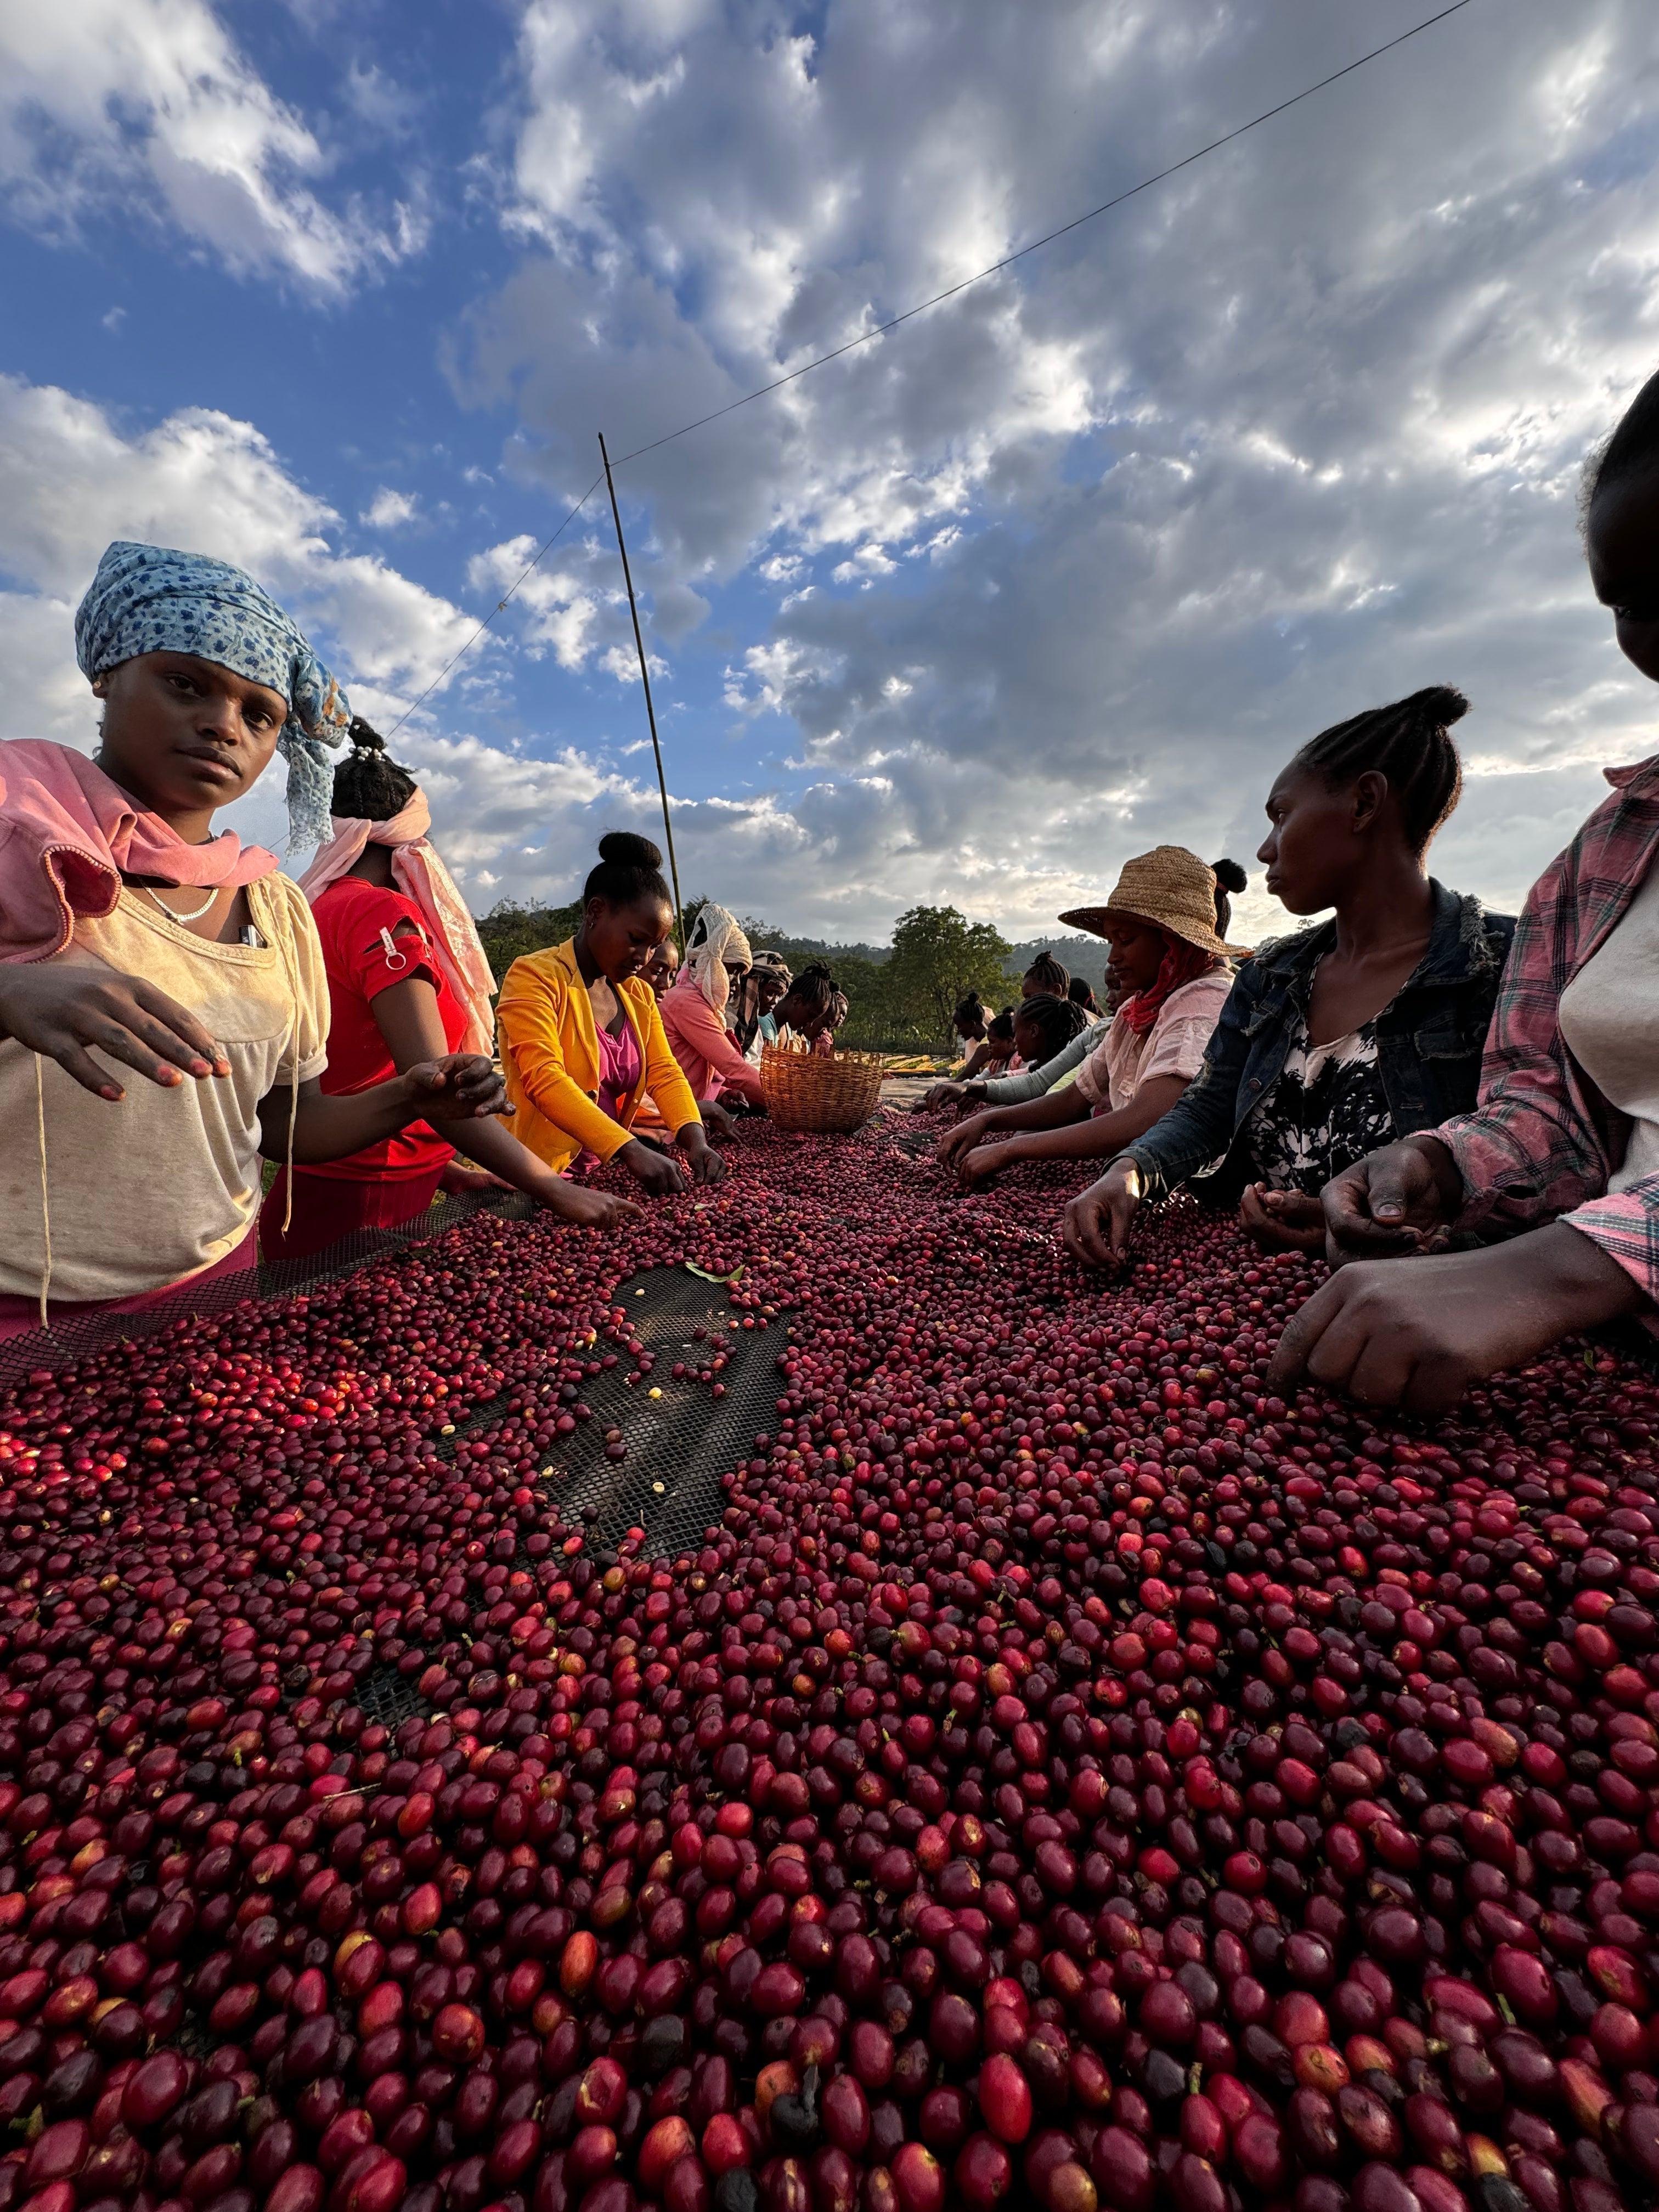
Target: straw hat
[{"x": 1172, "y": 889}]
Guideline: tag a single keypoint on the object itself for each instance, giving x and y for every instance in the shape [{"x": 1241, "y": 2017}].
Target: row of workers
[
  {"x": 1460, "y": 1110},
  {"x": 1495, "y": 1203},
  {"x": 342, "y": 1025}
]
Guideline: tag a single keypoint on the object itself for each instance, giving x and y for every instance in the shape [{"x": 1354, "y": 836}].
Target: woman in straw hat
[
  {"x": 1164, "y": 923},
  {"x": 1346, "y": 1036}
]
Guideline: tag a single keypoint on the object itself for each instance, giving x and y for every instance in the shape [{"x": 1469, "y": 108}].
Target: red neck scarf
[{"x": 1182, "y": 964}]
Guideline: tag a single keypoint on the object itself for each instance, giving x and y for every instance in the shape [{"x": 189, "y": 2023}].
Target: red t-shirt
[{"x": 364, "y": 955}]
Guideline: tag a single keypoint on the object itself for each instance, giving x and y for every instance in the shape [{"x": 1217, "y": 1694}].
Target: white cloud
[
  {"x": 389, "y": 509},
  {"x": 107, "y": 102},
  {"x": 1296, "y": 432},
  {"x": 69, "y": 481}
]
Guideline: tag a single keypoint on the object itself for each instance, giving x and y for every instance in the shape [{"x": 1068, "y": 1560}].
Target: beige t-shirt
[
  {"x": 151, "y": 1191},
  {"x": 1609, "y": 1020},
  {"x": 1175, "y": 1044}
]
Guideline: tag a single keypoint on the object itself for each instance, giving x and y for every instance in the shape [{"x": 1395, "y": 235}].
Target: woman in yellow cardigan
[{"x": 582, "y": 1041}]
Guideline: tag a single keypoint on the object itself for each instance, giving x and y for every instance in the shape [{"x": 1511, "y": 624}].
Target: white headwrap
[{"x": 715, "y": 938}]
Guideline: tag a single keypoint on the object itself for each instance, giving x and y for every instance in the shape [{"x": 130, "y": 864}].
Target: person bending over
[
  {"x": 133, "y": 939},
  {"x": 660, "y": 969},
  {"x": 1046, "y": 978},
  {"x": 408, "y": 981},
  {"x": 807, "y": 1009},
  {"x": 1045, "y": 1027},
  {"x": 969, "y": 1023},
  {"x": 1335, "y": 1041},
  {"x": 752, "y": 1022},
  {"x": 1017, "y": 1090},
  {"x": 1560, "y": 1156},
  {"x": 717, "y": 959},
  {"x": 582, "y": 1039},
  {"x": 1173, "y": 967}
]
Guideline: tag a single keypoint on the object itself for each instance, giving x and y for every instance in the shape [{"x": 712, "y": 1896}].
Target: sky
[{"x": 345, "y": 291}]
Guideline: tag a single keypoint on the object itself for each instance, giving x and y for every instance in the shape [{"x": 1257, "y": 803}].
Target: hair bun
[
  {"x": 1439, "y": 703},
  {"x": 1231, "y": 877},
  {"x": 364, "y": 738},
  {"x": 622, "y": 849}
]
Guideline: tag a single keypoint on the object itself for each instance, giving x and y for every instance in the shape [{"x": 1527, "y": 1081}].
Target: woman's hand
[
  {"x": 705, "y": 1163},
  {"x": 1417, "y": 1333},
  {"x": 945, "y": 1094},
  {"x": 716, "y": 1121},
  {"x": 986, "y": 1162},
  {"x": 1097, "y": 1223},
  {"x": 588, "y": 1209},
  {"x": 1391, "y": 1201},
  {"x": 957, "y": 1142},
  {"x": 462, "y": 1086},
  {"x": 1282, "y": 1221},
  {"x": 656, "y": 1173},
  {"x": 59, "y": 1007}
]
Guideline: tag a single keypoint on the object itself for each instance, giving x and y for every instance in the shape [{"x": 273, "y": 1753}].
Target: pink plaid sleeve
[
  {"x": 1542, "y": 1140},
  {"x": 1626, "y": 1225}
]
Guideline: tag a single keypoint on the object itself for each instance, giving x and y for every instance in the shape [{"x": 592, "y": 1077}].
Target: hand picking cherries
[{"x": 1065, "y": 1777}]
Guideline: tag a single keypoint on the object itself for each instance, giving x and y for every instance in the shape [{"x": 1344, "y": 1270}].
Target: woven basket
[{"x": 824, "y": 1094}]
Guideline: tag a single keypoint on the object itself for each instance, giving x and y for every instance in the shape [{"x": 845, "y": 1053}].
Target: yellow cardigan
[{"x": 551, "y": 1053}]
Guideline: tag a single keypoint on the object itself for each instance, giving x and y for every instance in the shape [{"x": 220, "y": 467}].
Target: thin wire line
[
  {"x": 880, "y": 330},
  {"x": 1048, "y": 239},
  {"x": 462, "y": 651}
]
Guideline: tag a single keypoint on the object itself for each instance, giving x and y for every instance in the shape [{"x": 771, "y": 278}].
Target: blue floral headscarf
[{"x": 148, "y": 599}]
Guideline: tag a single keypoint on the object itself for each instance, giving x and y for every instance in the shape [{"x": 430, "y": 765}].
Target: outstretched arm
[
  {"x": 407, "y": 1017},
  {"x": 1101, "y": 1137}
]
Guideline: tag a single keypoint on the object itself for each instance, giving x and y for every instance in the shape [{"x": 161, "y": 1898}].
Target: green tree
[{"x": 939, "y": 955}]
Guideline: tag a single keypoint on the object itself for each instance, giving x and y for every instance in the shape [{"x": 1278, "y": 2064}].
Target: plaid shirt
[{"x": 1543, "y": 1142}]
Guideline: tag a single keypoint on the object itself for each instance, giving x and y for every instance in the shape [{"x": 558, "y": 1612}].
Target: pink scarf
[
  {"x": 69, "y": 834},
  {"x": 422, "y": 876}
]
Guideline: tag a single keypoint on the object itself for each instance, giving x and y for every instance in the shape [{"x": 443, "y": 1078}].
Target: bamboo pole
[{"x": 645, "y": 678}]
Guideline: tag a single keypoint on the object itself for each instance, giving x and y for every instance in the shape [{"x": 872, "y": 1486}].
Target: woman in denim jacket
[{"x": 1344, "y": 1037}]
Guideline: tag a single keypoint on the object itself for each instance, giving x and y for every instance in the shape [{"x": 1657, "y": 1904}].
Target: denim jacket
[{"x": 1429, "y": 1042}]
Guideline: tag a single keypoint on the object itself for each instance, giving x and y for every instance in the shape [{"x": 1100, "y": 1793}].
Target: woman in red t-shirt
[{"x": 405, "y": 967}]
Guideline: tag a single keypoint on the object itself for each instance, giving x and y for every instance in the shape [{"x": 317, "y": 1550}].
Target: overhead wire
[
  {"x": 1036, "y": 245},
  {"x": 937, "y": 299}
]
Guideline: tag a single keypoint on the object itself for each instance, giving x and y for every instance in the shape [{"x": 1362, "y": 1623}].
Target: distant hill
[{"x": 1077, "y": 955}]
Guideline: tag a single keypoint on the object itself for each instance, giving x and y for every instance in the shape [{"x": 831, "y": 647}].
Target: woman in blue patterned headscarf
[
  {"x": 128, "y": 929},
  {"x": 148, "y": 599}
]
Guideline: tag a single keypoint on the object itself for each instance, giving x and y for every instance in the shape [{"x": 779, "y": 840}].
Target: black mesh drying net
[{"x": 676, "y": 1439}]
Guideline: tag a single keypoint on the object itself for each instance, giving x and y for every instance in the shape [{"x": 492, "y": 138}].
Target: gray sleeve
[{"x": 1035, "y": 1082}]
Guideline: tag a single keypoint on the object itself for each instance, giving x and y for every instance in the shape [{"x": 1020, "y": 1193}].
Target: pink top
[
  {"x": 703, "y": 1046},
  {"x": 1175, "y": 1044},
  {"x": 619, "y": 1071},
  {"x": 619, "y": 1067}
]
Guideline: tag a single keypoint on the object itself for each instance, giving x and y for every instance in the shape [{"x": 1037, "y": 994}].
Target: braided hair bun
[{"x": 368, "y": 784}]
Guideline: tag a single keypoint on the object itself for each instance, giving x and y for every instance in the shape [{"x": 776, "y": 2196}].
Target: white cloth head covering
[
  {"x": 422, "y": 876},
  {"x": 715, "y": 938}
]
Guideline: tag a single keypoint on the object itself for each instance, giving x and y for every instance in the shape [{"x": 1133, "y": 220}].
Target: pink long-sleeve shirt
[{"x": 703, "y": 1046}]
